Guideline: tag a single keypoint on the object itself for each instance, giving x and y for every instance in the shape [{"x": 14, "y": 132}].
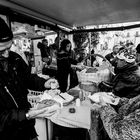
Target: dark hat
[{"x": 5, "y": 32}]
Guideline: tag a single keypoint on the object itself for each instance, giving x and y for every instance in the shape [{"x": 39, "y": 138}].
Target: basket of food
[
  {"x": 89, "y": 86},
  {"x": 90, "y": 76}
]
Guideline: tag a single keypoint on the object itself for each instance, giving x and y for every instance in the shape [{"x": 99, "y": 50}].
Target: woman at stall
[{"x": 64, "y": 61}]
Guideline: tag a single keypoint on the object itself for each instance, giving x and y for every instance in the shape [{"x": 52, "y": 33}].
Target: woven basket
[
  {"x": 34, "y": 97},
  {"x": 92, "y": 87},
  {"x": 103, "y": 73}
]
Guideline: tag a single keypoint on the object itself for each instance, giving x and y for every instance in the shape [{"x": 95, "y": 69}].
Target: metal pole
[{"x": 89, "y": 38}]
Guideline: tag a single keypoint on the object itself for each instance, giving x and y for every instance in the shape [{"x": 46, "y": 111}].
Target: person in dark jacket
[
  {"x": 64, "y": 61},
  {"x": 138, "y": 54},
  {"x": 111, "y": 57},
  {"x": 51, "y": 69},
  {"x": 45, "y": 51},
  {"x": 16, "y": 116},
  {"x": 126, "y": 82}
]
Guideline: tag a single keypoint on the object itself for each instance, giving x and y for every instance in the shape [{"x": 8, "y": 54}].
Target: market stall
[
  {"x": 68, "y": 16},
  {"x": 73, "y": 109},
  {"x": 77, "y": 113}
]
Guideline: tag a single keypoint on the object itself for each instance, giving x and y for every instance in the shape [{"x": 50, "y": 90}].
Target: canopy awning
[{"x": 71, "y": 13}]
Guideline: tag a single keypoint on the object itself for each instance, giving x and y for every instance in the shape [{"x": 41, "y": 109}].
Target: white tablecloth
[{"x": 79, "y": 119}]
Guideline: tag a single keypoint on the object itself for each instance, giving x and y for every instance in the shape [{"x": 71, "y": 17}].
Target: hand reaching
[
  {"x": 97, "y": 106},
  {"x": 46, "y": 114},
  {"x": 101, "y": 101},
  {"x": 33, "y": 113},
  {"x": 50, "y": 81}
]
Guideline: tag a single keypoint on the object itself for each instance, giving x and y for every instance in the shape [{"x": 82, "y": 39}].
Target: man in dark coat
[{"x": 16, "y": 117}]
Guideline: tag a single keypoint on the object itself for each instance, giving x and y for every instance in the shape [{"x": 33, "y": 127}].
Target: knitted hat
[
  {"x": 126, "y": 55},
  {"x": 5, "y": 32}
]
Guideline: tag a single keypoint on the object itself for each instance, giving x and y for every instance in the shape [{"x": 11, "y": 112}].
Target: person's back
[
  {"x": 45, "y": 51},
  {"x": 138, "y": 54}
]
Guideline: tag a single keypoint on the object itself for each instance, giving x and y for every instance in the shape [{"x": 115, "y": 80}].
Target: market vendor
[
  {"x": 126, "y": 82},
  {"x": 16, "y": 118}
]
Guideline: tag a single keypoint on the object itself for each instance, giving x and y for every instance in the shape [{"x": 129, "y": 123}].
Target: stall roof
[{"x": 71, "y": 13}]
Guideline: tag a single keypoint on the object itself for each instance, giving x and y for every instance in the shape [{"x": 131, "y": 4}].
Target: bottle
[
  {"x": 81, "y": 95},
  {"x": 77, "y": 102}
]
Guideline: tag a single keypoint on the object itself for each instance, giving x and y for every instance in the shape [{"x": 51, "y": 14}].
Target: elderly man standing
[{"x": 16, "y": 116}]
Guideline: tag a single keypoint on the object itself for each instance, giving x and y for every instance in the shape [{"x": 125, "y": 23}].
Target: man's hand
[
  {"x": 43, "y": 113},
  {"x": 96, "y": 107},
  {"x": 102, "y": 102},
  {"x": 46, "y": 114}
]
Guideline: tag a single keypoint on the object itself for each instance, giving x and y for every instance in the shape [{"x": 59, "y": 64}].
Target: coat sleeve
[
  {"x": 12, "y": 119},
  {"x": 109, "y": 118},
  {"x": 119, "y": 127},
  {"x": 31, "y": 81},
  {"x": 73, "y": 61},
  {"x": 126, "y": 85},
  {"x": 123, "y": 101},
  {"x": 130, "y": 106}
]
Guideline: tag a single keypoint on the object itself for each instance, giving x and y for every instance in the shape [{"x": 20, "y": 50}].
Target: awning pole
[{"x": 89, "y": 37}]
